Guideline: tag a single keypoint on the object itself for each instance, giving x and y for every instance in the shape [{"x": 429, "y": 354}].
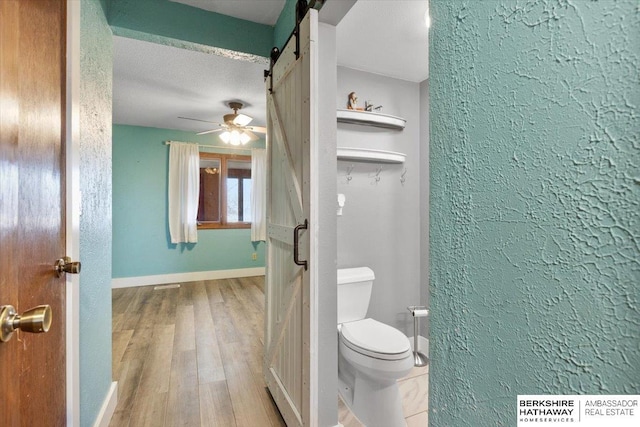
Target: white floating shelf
[
  {"x": 371, "y": 119},
  {"x": 367, "y": 155}
]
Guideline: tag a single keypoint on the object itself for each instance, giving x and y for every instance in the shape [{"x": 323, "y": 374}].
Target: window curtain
[
  {"x": 259, "y": 195},
  {"x": 184, "y": 191}
]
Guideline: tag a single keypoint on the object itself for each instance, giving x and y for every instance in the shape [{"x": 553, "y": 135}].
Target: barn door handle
[
  {"x": 295, "y": 243},
  {"x": 35, "y": 320}
]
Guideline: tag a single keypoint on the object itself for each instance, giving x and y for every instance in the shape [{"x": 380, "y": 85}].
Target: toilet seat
[{"x": 374, "y": 339}]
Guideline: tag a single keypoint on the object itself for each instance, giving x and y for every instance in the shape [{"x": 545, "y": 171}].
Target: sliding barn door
[{"x": 289, "y": 325}]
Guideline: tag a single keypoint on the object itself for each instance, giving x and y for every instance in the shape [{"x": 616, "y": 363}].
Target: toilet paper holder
[{"x": 418, "y": 311}]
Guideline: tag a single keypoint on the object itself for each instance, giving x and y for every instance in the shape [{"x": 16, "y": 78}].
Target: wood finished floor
[{"x": 191, "y": 356}]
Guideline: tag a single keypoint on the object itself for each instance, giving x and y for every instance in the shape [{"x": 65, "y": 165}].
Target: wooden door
[
  {"x": 32, "y": 223},
  {"x": 291, "y": 132}
]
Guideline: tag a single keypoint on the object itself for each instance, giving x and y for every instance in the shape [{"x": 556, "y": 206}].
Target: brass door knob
[
  {"x": 35, "y": 320},
  {"x": 65, "y": 265}
]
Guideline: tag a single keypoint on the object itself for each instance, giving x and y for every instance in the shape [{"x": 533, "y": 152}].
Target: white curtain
[
  {"x": 184, "y": 191},
  {"x": 259, "y": 195}
]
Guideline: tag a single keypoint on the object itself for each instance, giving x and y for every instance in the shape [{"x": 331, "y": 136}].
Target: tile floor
[{"x": 415, "y": 404}]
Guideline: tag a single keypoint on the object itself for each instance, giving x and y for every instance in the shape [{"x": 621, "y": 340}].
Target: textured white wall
[
  {"x": 326, "y": 256},
  {"x": 380, "y": 225},
  {"x": 424, "y": 202}
]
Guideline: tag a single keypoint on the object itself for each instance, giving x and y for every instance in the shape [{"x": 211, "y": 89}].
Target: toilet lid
[{"x": 375, "y": 339}]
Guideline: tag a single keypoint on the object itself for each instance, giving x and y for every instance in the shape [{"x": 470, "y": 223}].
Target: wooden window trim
[{"x": 223, "y": 224}]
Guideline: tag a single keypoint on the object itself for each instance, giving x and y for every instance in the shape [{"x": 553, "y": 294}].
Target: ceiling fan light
[
  {"x": 242, "y": 120},
  {"x": 234, "y": 138},
  {"x": 225, "y": 136},
  {"x": 244, "y": 138}
]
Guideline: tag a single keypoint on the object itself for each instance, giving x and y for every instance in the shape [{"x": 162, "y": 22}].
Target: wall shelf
[
  {"x": 371, "y": 119},
  {"x": 368, "y": 155}
]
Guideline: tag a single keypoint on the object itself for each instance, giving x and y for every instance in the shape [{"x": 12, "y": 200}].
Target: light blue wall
[
  {"x": 140, "y": 234},
  {"x": 167, "y": 22},
  {"x": 286, "y": 23},
  {"x": 141, "y": 243},
  {"x": 535, "y": 195},
  {"x": 331, "y": 13},
  {"x": 95, "y": 219}
]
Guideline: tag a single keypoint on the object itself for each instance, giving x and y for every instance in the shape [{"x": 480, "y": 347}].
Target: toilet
[{"x": 372, "y": 356}]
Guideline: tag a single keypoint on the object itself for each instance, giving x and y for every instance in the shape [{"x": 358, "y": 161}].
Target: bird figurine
[{"x": 352, "y": 103}]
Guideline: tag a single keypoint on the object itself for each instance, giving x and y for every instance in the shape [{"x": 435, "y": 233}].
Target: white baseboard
[
  {"x": 108, "y": 407},
  {"x": 423, "y": 345},
  {"x": 161, "y": 279}
]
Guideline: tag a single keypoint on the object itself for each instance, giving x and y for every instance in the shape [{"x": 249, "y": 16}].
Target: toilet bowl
[
  {"x": 368, "y": 370},
  {"x": 372, "y": 356}
]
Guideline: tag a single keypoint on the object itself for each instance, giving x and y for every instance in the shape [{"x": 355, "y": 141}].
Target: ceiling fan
[{"x": 235, "y": 129}]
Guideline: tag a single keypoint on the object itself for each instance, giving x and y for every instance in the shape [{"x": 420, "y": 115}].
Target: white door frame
[{"x": 72, "y": 211}]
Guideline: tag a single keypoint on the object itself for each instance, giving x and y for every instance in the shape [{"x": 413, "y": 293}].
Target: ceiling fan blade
[
  {"x": 199, "y": 120},
  {"x": 210, "y": 131},
  {"x": 258, "y": 129},
  {"x": 242, "y": 120},
  {"x": 251, "y": 135}
]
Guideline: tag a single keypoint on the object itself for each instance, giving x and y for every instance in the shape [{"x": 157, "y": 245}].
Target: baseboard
[
  {"x": 423, "y": 345},
  {"x": 108, "y": 407},
  {"x": 161, "y": 279}
]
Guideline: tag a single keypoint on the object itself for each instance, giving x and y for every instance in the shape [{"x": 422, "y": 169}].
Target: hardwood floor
[{"x": 191, "y": 355}]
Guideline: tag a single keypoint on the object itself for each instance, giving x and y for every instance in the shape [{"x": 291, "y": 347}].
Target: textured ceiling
[
  {"x": 260, "y": 11},
  {"x": 154, "y": 84}
]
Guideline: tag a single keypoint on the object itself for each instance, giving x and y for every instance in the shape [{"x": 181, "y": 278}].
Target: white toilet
[{"x": 371, "y": 355}]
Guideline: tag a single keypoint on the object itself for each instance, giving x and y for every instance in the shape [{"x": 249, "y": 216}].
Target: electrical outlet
[{"x": 254, "y": 256}]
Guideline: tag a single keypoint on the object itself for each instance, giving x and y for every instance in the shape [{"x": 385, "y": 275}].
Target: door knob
[
  {"x": 35, "y": 320},
  {"x": 65, "y": 265}
]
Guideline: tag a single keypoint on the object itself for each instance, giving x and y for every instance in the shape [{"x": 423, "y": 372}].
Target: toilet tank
[{"x": 354, "y": 293}]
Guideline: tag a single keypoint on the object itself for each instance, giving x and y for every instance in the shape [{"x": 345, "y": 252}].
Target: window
[
  {"x": 238, "y": 191},
  {"x": 225, "y": 191}
]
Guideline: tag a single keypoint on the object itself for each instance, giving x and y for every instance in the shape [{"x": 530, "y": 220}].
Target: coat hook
[
  {"x": 378, "y": 174},
  {"x": 349, "y": 170},
  {"x": 402, "y": 176}
]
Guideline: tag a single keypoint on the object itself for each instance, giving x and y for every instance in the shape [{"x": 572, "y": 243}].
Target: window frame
[{"x": 223, "y": 224}]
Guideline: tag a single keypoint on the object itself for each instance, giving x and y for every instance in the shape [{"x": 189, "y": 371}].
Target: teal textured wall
[
  {"x": 161, "y": 21},
  {"x": 285, "y": 24},
  {"x": 535, "y": 196},
  {"x": 95, "y": 219},
  {"x": 141, "y": 243}
]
